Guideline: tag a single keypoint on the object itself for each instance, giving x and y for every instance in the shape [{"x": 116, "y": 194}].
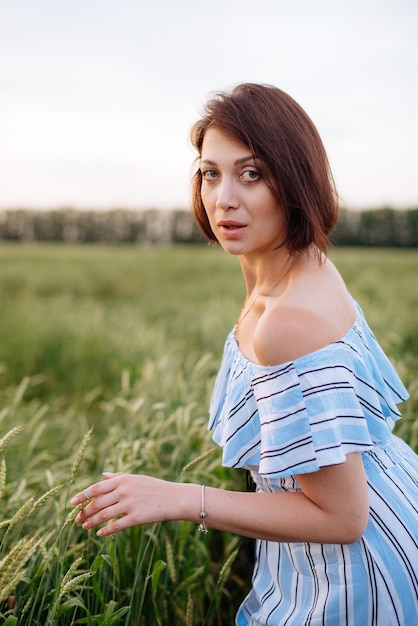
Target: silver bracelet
[{"x": 202, "y": 526}]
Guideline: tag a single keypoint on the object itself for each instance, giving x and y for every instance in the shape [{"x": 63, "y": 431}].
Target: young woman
[{"x": 305, "y": 398}]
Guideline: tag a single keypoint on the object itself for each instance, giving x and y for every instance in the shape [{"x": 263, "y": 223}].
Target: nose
[{"x": 227, "y": 195}]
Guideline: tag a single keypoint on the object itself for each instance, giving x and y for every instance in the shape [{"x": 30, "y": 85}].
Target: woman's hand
[
  {"x": 333, "y": 506},
  {"x": 125, "y": 500}
]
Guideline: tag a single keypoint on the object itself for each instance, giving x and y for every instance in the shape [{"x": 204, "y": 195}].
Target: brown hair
[{"x": 279, "y": 133}]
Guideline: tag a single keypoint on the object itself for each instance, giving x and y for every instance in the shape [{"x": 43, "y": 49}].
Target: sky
[{"x": 97, "y": 96}]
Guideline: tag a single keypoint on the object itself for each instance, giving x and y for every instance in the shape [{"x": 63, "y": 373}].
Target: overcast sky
[{"x": 97, "y": 96}]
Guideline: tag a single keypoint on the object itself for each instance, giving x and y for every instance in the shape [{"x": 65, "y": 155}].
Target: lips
[
  {"x": 230, "y": 229},
  {"x": 230, "y": 224}
]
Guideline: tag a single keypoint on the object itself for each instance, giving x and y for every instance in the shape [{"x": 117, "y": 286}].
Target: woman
[{"x": 305, "y": 398}]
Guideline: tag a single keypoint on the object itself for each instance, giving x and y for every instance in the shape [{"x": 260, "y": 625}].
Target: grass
[{"x": 108, "y": 356}]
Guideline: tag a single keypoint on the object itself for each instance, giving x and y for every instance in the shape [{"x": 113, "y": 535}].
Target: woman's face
[{"x": 242, "y": 211}]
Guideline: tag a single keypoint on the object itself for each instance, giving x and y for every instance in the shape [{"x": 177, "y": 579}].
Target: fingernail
[{"x": 73, "y": 500}]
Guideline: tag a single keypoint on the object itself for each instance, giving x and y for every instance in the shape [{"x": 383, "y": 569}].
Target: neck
[
  {"x": 263, "y": 275},
  {"x": 265, "y": 283}
]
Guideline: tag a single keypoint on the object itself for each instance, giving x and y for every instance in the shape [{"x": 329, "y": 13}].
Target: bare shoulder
[{"x": 315, "y": 312}]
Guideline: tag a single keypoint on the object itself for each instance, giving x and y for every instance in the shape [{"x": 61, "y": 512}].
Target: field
[{"x": 107, "y": 360}]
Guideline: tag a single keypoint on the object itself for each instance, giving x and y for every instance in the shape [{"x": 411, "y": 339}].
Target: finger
[
  {"x": 102, "y": 516},
  {"x": 96, "y": 505},
  {"x": 121, "y": 523},
  {"x": 79, "y": 498},
  {"x": 93, "y": 491}
]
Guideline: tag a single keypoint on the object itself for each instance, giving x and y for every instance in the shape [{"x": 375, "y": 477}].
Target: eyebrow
[{"x": 237, "y": 162}]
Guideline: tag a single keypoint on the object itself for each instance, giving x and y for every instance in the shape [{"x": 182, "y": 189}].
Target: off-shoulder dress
[{"x": 281, "y": 421}]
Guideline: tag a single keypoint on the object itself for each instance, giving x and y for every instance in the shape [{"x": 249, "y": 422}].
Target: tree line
[
  {"x": 378, "y": 227},
  {"x": 385, "y": 227}
]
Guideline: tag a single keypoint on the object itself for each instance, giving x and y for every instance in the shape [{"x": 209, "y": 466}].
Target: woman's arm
[{"x": 332, "y": 508}]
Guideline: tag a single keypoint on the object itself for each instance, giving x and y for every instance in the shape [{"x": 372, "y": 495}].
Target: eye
[
  {"x": 209, "y": 174},
  {"x": 250, "y": 175}
]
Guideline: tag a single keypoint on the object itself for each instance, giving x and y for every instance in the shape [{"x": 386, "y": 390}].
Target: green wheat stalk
[
  {"x": 190, "y": 466},
  {"x": 170, "y": 560},
  {"x": 44, "y": 497},
  {"x": 80, "y": 454},
  {"x": 8, "y": 436},
  {"x": 75, "y": 583},
  {"x": 226, "y": 567},
  {"x": 189, "y": 609},
  {"x": 12, "y": 569},
  {"x": 22, "y": 513},
  {"x": 2, "y": 477}
]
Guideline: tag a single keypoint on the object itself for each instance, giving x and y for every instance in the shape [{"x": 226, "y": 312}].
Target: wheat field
[{"x": 107, "y": 359}]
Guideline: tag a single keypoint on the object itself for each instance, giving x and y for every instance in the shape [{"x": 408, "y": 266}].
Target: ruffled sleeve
[{"x": 307, "y": 414}]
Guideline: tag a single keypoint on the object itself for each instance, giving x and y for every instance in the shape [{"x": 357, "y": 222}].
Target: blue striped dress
[{"x": 281, "y": 421}]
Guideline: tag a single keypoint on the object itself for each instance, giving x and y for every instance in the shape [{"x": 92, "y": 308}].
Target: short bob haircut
[{"x": 281, "y": 135}]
